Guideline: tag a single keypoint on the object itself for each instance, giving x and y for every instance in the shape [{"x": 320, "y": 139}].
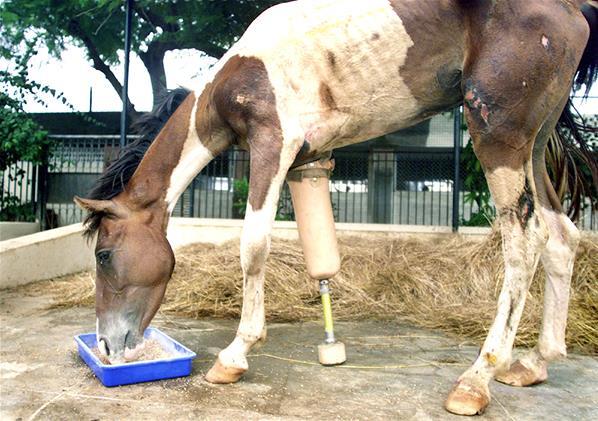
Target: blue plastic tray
[{"x": 142, "y": 371}]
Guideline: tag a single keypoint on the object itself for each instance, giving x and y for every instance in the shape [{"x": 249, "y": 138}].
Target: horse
[{"x": 313, "y": 75}]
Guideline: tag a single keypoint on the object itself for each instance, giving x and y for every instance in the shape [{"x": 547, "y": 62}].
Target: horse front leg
[
  {"x": 255, "y": 247},
  {"x": 268, "y": 168}
]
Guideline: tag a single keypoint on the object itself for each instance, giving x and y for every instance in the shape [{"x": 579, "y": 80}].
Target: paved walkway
[{"x": 393, "y": 372}]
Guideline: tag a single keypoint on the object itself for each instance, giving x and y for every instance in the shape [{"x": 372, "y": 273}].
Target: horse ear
[{"x": 106, "y": 206}]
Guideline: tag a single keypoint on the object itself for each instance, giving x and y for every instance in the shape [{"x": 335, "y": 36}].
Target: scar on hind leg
[
  {"x": 474, "y": 102},
  {"x": 525, "y": 205}
]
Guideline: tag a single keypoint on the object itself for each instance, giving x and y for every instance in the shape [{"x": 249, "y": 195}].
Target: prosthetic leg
[{"x": 313, "y": 211}]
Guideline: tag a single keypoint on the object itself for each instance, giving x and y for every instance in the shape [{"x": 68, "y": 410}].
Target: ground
[{"x": 393, "y": 372}]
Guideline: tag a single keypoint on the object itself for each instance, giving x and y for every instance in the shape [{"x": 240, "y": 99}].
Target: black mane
[{"x": 114, "y": 179}]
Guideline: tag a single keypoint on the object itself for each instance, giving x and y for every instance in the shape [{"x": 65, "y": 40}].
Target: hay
[{"x": 447, "y": 283}]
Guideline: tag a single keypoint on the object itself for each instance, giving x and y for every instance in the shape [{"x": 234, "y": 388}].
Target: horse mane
[
  {"x": 569, "y": 151},
  {"x": 118, "y": 173}
]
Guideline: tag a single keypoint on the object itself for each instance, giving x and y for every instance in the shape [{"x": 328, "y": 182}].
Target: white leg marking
[
  {"x": 194, "y": 157},
  {"x": 557, "y": 259},
  {"x": 255, "y": 247},
  {"x": 521, "y": 251}
]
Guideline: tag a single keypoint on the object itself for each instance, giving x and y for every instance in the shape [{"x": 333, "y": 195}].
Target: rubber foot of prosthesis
[{"x": 332, "y": 354}]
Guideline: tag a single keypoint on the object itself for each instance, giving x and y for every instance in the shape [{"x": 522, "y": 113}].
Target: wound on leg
[
  {"x": 525, "y": 205},
  {"x": 474, "y": 102}
]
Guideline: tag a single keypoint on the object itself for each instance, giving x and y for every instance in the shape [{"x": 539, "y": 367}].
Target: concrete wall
[
  {"x": 43, "y": 255},
  {"x": 184, "y": 231},
  {"x": 10, "y": 230},
  {"x": 63, "y": 250}
]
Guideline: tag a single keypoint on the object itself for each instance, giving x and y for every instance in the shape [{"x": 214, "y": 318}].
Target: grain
[{"x": 152, "y": 350}]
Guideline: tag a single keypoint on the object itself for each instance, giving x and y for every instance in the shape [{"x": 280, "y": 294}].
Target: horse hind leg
[
  {"x": 523, "y": 236},
  {"x": 504, "y": 149},
  {"x": 508, "y": 98},
  {"x": 557, "y": 260}
]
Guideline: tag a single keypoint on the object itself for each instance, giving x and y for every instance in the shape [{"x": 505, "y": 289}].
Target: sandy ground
[{"x": 393, "y": 372}]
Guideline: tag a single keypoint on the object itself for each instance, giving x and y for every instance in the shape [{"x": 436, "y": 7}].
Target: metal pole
[
  {"x": 42, "y": 190},
  {"x": 457, "y": 158},
  {"x": 90, "y": 98},
  {"x": 327, "y": 309},
  {"x": 125, "y": 91}
]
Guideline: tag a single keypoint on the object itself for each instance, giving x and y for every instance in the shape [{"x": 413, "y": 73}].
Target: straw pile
[{"x": 448, "y": 283}]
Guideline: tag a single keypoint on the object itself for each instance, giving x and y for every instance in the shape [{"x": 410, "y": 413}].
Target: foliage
[
  {"x": 240, "y": 195},
  {"x": 21, "y": 138},
  {"x": 158, "y": 26},
  {"x": 284, "y": 211},
  {"x": 11, "y": 209},
  {"x": 476, "y": 189}
]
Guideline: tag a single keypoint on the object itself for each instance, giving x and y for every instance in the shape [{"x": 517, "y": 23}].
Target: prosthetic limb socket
[{"x": 310, "y": 193}]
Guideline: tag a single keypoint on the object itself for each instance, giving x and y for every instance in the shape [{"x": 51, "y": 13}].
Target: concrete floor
[{"x": 393, "y": 372}]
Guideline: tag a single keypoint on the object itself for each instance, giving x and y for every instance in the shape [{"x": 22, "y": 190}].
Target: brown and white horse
[{"x": 313, "y": 75}]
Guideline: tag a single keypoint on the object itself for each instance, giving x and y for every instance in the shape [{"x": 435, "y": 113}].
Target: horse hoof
[
  {"x": 519, "y": 375},
  {"x": 467, "y": 399},
  {"x": 221, "y": 374}
]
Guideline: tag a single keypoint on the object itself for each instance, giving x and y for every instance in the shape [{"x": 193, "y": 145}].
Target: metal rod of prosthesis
[{"x": 327, "y": 309}]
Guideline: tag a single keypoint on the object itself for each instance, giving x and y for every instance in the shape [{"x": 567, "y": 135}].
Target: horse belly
[{"x": 335, "y": 67}]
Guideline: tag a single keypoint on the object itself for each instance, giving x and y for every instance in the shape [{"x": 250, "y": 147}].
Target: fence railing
[
  {"x": 410, "y": 186},
  {"x": 19, "y": 192}
]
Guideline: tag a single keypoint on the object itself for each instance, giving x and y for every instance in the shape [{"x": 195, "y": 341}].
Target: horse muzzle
[{"x": 119, "y": 342}]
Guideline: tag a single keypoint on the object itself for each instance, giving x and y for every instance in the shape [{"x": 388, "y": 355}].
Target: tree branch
[
  {"x": 155, "y": 19},
  {"x": 76, "y": 31},
  {"x": 153, "y": 60}
]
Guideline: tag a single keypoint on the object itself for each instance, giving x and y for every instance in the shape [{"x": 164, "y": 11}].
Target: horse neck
[{"x": 173, "y": 160}]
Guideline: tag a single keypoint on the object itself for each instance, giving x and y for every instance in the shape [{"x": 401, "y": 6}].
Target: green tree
[
  {"x": 209, "y": 26},
  {"x": 21, "y": 138},
  {"x": 476, "y": 189}
]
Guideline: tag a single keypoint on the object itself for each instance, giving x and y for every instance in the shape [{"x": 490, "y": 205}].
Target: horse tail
[
  {"x": 587, "y": 71},
  {"x": 120, "y": 170},
  {"x": 571, "y": 157}
]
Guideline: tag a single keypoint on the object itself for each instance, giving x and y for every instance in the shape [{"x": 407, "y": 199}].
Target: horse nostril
[{"x": 103, "y": 345}]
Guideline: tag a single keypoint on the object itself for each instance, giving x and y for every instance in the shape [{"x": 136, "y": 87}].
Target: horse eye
[{"x": 103, "y": 256}]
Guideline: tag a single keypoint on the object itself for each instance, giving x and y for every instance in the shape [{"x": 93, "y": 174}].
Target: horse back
[{"x": 342, "y": 72}]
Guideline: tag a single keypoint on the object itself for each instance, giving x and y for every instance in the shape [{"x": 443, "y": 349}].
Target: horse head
[{"x": 134, "y": 262}]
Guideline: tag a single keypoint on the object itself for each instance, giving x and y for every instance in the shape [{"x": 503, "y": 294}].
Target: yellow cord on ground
[
  {"x": 360, "y": 367},
  {"x": 353, "y": 366}
]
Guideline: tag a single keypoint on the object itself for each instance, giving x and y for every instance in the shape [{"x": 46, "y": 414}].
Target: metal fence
[
  {"x": 409, "y": 186},
  {"x": 377, "y": 187},
  {"x": 19, "y": 192},
  {"x": 74, "y": 165}
]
